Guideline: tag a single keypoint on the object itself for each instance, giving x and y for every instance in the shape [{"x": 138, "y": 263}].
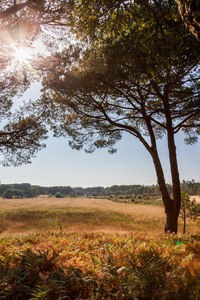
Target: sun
[
  {"x": 23, "y": 58},
  {"x": 21, "y": 55}
]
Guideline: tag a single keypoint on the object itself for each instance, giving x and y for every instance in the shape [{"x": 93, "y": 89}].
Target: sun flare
[
  {"x": 25, "y": 58},
  {"x": 22, "y": 55}
]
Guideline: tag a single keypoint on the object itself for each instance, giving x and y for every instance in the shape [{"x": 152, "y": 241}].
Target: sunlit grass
[{"x": 81, "y": 220}]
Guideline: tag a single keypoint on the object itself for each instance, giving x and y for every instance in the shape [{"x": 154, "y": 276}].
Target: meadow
[
  {"x": 85, "y": 248},
  {"x": 78, "y": 215}
]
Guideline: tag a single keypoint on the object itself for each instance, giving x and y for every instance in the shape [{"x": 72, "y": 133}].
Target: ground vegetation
[{"x": 96, "y": 266}]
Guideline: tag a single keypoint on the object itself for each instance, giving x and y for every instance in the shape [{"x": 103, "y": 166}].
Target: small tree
[{"x": 189, "y": 209}]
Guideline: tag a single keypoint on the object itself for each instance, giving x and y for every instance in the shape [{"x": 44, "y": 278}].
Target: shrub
[
  {"x": 8, "y": 194},
  {"x": 59, "y": 195},
  {"x": 146, "y": 197},
  {"x": 189, "y": 209}
]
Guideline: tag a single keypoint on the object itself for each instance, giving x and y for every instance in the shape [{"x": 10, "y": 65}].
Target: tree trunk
[
  {"x": 176, "y": 203},
  {"x": 171, "y": 217},
  {"x": 171, "y": 221},
  {"x": 184, "y": 221},
  {"x": 175, "y": 175}
]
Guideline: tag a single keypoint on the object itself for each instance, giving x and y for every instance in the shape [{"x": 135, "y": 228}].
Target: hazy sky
[{"x": 58, "y": 164}]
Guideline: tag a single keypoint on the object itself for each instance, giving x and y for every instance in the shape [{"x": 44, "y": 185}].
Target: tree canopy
[{"x": 22, "y": 24}]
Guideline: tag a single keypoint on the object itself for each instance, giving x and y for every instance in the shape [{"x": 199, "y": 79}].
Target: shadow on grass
[{"x": 67, "y": 219}]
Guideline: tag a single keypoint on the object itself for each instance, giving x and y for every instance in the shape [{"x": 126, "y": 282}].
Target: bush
[
  {"x": 10, "y": 193},
  {"x": 59, "y": 195},
  {"x": 146, "y": 197}
]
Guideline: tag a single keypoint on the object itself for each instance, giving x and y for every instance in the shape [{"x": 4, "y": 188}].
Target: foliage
[
  {"x": 22, "y": 134},
  {"x": 191, "y": 187},
  {"x": 118, "y": 76},
  {"x": 96, "y": 266},
  {"x": 64, "y": 190},
  {"x": 59, "y": 195},
  {"x": 22, "y": 130},
  {"x": 28, "y": 190},
  {"x": 10, "y": 193},
  {"x": 189, "y": 209},
  {"x": 31, "y": 192}
]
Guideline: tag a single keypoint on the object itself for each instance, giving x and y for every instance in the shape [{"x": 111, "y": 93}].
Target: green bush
[
  {"x": 10, "y": 193},
  {"x": 59, "y": 195}
]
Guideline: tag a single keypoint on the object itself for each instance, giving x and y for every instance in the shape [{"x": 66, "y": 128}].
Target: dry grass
[
  {"x": 86, "y": 203},
  {"x": 80, "y": 215},
  {"x": 196, "y": 197}
]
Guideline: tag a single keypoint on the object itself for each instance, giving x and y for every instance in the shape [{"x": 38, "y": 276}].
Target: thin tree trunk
[{"x": 184, "y": 221}]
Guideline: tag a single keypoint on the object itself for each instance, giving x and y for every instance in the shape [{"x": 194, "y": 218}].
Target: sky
[{"x": 59, "y": 165}]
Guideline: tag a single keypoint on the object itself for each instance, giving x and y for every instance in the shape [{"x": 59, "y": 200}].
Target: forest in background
[{"x": 27, "y": 190}]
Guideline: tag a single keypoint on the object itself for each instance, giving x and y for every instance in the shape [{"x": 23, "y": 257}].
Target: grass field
[
  {"x": 81, "y": 215},
  {"x": 82, "y": 248}
]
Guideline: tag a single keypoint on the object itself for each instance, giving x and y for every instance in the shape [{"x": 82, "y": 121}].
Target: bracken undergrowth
[{"x": 98, "y": 266}]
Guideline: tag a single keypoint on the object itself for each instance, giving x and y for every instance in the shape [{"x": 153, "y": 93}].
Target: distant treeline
[{"x": 27, "y": 190}]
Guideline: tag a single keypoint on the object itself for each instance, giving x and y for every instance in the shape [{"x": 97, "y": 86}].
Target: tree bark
[
  {"x": 175, "y": 175},
  {"x": 171, "y": 217},
  {"x": 190, "y": 14},
  {"x": 172, "y": 158}
]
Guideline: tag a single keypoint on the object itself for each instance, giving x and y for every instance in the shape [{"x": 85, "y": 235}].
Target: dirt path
[{"x": 98, "y": 204}]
